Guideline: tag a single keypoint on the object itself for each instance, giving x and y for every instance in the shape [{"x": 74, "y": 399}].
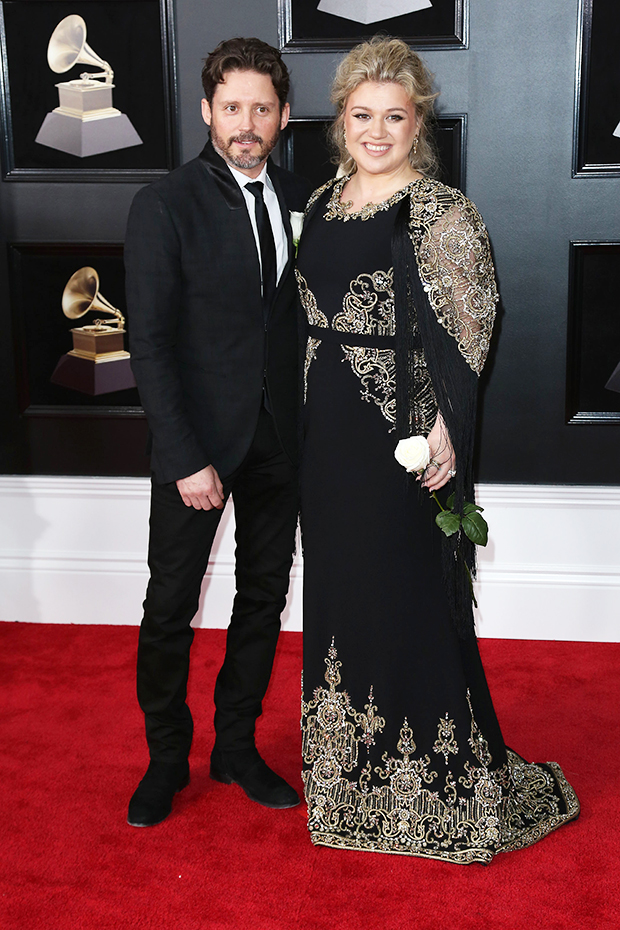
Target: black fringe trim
[{"x": 456, "y": 390}]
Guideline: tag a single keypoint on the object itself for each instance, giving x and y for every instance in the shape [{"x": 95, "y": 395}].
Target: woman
[{"x": 402, "y": 749}]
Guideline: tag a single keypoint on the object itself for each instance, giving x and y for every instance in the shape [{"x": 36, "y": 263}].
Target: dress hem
[
  {"x": 544, "y": 828},
  {"x": 468, "y": 856},
  {"x": 479, "y": 855}
]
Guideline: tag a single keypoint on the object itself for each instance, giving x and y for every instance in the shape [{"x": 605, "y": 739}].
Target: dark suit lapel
[
  {"x": 218, "y": 169},
  {"x": 234, "y": 199},
  {"x": 233, "y": 196}
]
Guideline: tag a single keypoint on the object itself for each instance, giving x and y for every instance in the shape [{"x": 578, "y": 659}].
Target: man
[{"x": 211, "y": 302}]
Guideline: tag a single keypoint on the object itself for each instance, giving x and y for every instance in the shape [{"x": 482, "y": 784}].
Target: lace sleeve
[{"x": 456, "y": 269}]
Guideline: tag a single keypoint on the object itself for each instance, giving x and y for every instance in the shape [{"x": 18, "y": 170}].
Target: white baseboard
[{"x": 73, "y": 550}]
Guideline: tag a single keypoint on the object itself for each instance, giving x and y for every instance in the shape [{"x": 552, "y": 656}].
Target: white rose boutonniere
[
  {"x": 297, "y": 223},
  {"x": 414, "y": 453}
]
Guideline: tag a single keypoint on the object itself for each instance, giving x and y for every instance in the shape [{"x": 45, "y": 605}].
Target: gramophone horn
[
  {"x": 81, "y": 294},
  {"x": 68, "y": 47}
]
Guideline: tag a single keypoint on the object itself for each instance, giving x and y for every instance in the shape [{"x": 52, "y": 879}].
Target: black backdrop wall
[{"x": 516, "y": 83}]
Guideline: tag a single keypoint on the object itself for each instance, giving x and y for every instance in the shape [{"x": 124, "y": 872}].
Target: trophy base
[
  {"x": 87, "y": 136},
  {"x": 88, "y": 376},
  {"x": 614, "y": 382},
  {"x": 94, "y": 341},
  {"x": 371, "y": 11}
]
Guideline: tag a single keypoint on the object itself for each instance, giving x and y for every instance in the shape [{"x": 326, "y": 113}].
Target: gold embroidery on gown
[
  {"x": 418, "y": 811},
  {"x": 368, "y": 309},
  {"x": 368, "y": 306},
  {"x": 376, "y": 369},
  {"x": 455, "y": 266},
  {"x": 453, "y": 254},
  {"x": 337, "y": 209},
  {"x": 431, "y": 788},
  {"x": 315, "y": 318}
]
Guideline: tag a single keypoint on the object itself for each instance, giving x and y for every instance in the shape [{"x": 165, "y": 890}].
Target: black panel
[
  {"x": 303, "y": 26},
  {"x": 597, "y": 99},
  {"x": 51, "y": 429},
  {"x": 134, "y": 37},
  {"x": 593, "y": 366}
]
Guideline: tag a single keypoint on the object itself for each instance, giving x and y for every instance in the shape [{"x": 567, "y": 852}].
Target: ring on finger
[{"x": 434, "y": 463}]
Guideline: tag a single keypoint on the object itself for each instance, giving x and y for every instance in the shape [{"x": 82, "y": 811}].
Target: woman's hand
[{"x": 442, "y": 466}]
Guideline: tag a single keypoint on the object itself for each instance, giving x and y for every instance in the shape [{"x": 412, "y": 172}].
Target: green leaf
[
  {"x": 448, "y": 522},
  {"x": 476, "y": 528},
  {"x": 450, "y": 502},
  {"x": 471, "y": 508}
]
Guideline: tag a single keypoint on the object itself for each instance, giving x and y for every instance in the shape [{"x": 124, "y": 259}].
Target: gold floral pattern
[
  {"x": 376, "y": 369},
  {"x": 336, "y": 719},
  {"x": 312, "y": 345},
  {"x": 455, "y": 266},
  {"x": 317, "y": 194},
  {"x": 341, "y": 210},
  {"x": 368, "y": 309},
  {"x": 368, "y": 306},
  {"x": 315, "y": 317},
  {"x": 424, "y": 413},
  {"x": 453, "y": 256},
  {"x": 445, "y": 742},
  {"x": 404, "y": 805}
]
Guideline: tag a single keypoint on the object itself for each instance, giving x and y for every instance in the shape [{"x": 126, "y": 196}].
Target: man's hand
[{"x": 203, "y": 490}]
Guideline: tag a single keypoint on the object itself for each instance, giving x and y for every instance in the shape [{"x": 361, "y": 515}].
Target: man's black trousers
[{"x": 264, "y": 491}]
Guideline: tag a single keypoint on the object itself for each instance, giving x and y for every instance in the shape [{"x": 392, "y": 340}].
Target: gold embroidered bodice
[
  {"x": 363, "y": 305},
  {"x": 368, "y": 309},
  {"x": 453, "y": 255}
]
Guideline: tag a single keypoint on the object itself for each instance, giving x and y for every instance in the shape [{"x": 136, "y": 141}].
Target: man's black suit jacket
[{"x": 201, "y": 348}]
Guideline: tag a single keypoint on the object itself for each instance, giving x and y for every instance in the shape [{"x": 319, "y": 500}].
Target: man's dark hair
[{"x": 245, "y": 55}]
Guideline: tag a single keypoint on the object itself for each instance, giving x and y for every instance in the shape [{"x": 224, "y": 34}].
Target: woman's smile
[{"x": 381, "y": 124}]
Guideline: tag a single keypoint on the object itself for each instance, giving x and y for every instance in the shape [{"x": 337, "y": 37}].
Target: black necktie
[{"x": 267, "y": 244}]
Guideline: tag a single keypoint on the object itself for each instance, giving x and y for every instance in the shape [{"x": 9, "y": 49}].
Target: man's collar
[
  {"x": 223, "y": 177},
  {"x": 242, "y": 179}
]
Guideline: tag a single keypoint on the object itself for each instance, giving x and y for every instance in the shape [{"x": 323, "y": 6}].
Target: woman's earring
[
  {"x": 415, "y": 145},
  {"x": 344, "y": 136}
]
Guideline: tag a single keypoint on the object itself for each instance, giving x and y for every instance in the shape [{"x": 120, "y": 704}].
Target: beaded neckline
[{"x": 336, "y": 210}]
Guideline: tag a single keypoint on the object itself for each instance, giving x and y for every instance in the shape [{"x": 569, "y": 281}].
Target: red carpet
[{"x": 73, "y": 751}]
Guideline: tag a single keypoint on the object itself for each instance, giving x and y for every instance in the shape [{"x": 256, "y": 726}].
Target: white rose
[
  {"x": 297, "y": 222},
  {"x": 413, "y": 454}
]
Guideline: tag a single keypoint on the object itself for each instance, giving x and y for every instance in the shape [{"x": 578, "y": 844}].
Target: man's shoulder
[{"x": 178, "y": 180}]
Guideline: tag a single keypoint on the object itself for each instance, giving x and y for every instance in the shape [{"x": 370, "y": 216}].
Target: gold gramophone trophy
[
  {"x": 85, "y": 122},
  {"x": 98, "y": 362}
]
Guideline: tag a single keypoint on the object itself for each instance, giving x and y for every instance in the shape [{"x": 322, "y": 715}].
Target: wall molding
[{"x": 74, "y": 551}]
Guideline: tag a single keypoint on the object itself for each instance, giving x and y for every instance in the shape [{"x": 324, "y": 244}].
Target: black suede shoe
[
  {"x": 152, "y": 800},
  {"x": 247, "y": 769}
]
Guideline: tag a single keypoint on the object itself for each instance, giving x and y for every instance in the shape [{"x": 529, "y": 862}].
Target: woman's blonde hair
[{"x": 385, "y": 60}]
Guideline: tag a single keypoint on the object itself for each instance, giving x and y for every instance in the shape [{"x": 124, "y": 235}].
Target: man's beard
[{"x": 243, "y": 160}]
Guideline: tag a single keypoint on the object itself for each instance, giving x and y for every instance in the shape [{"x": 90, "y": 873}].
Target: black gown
[{"x": 402, "y": 749}]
